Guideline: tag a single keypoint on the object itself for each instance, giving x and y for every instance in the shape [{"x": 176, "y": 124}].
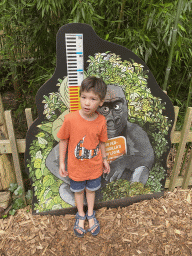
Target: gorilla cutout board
[{"x": 139, "y": 121}]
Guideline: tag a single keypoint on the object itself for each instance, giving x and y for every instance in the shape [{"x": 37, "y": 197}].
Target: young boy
[{"x": 85, "y": 133}]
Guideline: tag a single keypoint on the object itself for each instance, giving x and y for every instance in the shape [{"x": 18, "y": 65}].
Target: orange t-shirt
[{"x": 84, "y": 154}]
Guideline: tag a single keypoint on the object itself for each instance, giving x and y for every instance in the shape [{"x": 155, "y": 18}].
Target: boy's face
[{"x": 90, "y": 102}]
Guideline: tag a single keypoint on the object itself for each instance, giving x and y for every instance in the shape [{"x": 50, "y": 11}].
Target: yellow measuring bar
[{"x": 74, "y": 98}]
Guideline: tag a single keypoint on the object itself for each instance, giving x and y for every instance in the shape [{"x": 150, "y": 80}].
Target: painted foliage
[{"x": 146, "y": 126}]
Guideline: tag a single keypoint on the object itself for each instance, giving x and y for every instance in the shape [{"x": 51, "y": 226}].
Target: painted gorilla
[
  {"x": 133, "y": 166},
  {"x": 137, "y": 162}
]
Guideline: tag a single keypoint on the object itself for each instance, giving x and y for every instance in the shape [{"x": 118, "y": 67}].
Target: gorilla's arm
[
  {"x": 140, "y": 146},
  {"x": 52, "y": 163},
  {"x": 139, "y": 153}
]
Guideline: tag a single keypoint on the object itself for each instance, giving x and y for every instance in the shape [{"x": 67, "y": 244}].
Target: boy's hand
[
  {"x": 106, "y": 166},
  {"x": 62, "y": 171}
]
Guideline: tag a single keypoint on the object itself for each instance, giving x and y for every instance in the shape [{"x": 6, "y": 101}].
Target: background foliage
[{"x": 28, "y": 42}]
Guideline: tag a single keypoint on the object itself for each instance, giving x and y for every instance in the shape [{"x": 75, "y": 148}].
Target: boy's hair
[{"x": 95, "y": 84}]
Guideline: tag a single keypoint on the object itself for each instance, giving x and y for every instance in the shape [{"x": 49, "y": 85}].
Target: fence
[{"x": 15, "y": 146}]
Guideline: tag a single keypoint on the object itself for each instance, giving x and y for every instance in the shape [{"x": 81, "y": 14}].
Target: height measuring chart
[{"x": 74, "y": 56}]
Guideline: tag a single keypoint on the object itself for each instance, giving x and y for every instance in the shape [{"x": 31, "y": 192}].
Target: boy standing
[{"x": 85, "y": 134}]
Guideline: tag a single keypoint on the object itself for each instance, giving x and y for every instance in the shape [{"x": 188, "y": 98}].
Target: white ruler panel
[{"x": 74, "y": 53}]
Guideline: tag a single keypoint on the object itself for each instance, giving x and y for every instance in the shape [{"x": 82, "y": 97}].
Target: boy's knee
[
  {"x": 89, "y": 191},
  {"x": 80, "y": 192}
]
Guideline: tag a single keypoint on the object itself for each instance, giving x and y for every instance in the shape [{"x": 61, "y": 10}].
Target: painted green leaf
[
  {"x": 65, "y": 205},
  {"x": 42, "y": 141},
  {"x": 49, "y": 204},
  {"x": 46, "y": 127},
  {"x": 38, "y": 173},
  {"x": 57, "y": 199},
  {"x": 57, "y": 207},
  {"x": 55, "y": 188},
  {"x": 46, "y": 171},
  {"x": 58, "y": 123},
  {"x": 39, "y": 155},
  {"x": 41, "y": 134},
  {"x": 42, "y": 192},
  {"x": 37, "y": 163},
  {"x": 48, "y": 180},
  {"x": 48, "y": 193}
]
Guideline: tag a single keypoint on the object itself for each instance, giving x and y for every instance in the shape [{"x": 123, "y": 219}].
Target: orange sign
[{"x": 115, "y": 148}]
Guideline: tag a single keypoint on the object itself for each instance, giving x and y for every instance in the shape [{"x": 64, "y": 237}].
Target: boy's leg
[
  {"x": 90, "y": 195},
  {"x": 79, "y": 198}
]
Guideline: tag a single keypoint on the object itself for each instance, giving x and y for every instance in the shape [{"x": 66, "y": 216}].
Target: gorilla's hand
[
  {"x": 117, "y": 168},
  {"x": 140, "y": 174}
]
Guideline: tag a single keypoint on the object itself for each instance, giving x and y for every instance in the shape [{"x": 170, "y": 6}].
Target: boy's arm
[
  {"x": 62, "y": 153},
  {"x": 103, "y": 153}
]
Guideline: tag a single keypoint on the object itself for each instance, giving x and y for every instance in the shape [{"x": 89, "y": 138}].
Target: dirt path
[{"x": 154, "y": 227}]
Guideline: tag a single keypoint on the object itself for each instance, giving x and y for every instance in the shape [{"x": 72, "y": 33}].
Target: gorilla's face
[{"x": 115, "y": 110}]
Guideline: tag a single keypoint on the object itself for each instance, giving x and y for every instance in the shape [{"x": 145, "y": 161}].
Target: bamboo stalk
[
  {"x": 138, "y": 14},
  {"x": 121, "y": 14},
  {"x": 168, "y": 69},
  {"x": 189, "y": 94},
  {"x": 180, "y": 84},
  {"x": 147, "y": 15}
]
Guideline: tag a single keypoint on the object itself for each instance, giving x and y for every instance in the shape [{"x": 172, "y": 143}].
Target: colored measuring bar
[{"x": 74, "y": 55}]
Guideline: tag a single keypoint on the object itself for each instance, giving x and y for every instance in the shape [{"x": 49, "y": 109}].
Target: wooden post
[
  {"x": 181, "y": 148},
  {"x": 14, "y": 150},
  {"x": 176, "y": 110},
  {"x": 29, "y": 118},
  {"x": 7, "y": 173},
  {"x": 188, "y": 173}
]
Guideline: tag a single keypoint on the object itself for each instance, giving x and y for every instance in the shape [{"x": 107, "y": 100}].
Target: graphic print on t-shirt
[{"x": 83, "y": 153}]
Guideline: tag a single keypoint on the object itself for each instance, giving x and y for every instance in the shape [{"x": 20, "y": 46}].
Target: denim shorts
[{"x": 92, "y": 185}]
